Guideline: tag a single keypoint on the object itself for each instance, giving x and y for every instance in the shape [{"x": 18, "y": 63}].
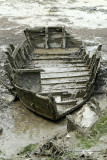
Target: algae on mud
[{"x": 27, "y": 149}]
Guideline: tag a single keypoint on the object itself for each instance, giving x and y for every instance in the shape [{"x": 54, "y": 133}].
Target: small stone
[{"x": 68, "y": 137}]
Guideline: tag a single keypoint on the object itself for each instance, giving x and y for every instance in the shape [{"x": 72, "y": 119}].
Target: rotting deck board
[
  {"x": 63, "y": 80},
  {"x": 63, "y": 86},
  {"x": 46, "y": 78},
  {"x": 72, "y": 91},
  {"x": 67, "y": 73},
  {"x": 63, "y": 69},
  {"x": 56, "y": 51}
]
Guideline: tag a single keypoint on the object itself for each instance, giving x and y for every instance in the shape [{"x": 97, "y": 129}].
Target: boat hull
[{"x": 52, "y": 72}]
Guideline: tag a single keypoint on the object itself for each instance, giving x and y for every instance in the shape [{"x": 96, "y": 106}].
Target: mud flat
[{"x": 87, "y": 21}]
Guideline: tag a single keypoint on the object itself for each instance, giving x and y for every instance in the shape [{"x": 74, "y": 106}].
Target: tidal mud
[{"x": 84, "y": 19}]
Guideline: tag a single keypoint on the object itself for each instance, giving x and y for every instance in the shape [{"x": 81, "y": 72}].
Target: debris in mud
[
  {"x": 49, "y": 149},
  {"x": 85, "y": 118},
  {"x": 98, "y": 130},
  {"x": 1, "y": 131},
  {"x": 8, "y": 98},
  {"x": 52, "y": 150}
]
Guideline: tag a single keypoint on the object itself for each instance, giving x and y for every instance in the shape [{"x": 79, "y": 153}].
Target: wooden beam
[
  {"x": 15, "y": 51},
  {"x": 12, "y": 47},
  {"x": 28, "y": 70},
  {"x": 63, "y": 37},
  {"x": 46, "y": 37},
  {"x": 10, "y": 58}
]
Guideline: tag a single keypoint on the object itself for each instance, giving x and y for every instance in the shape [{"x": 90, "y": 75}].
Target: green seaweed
[
  {"x": 73, "y": 156},
  {"x": 0, "y": 152},
  {"x": 98, "y": 130},
  {"x": 28, "y": 149}
]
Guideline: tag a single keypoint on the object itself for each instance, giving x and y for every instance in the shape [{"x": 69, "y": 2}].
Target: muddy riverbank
[{"x": 86, "y": 19}]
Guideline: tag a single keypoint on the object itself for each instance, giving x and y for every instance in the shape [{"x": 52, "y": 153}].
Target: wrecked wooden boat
[{"x": 51, "y": 71}]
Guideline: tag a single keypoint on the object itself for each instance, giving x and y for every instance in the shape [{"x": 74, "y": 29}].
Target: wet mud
[
  {"x": 22, "y": 127},
  {"x": 84, "y": 19}
]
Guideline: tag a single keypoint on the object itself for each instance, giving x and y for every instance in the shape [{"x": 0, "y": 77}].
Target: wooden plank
[
  {"x": 10, "y": 51},
  {"x": 55, "y": 57},
  {"x": 12, "y": 47},
  {"x": 67, "y": 73},
  {"x": 67, "y": 80},
  {"x": 55, "y": 29},
  {"x": 63, "y": 38},
  {"x": 28, "y": 70},
  {"x": 70, "y": 102},
  {"x": 69, "y": 90},
  {"x": 51, "y": 64},
  {"x": 18, "y": 59},
  {"x": 26, "y": 53},
  {"x": 46, "y": 38},
  {"x": 37, "y": 29},
  {"x": 10, "y": 58},
  {"x": 63, "y": 86},
  {"x": 64, "y": 82},
  {"x": 16, "y": 63},
  {"x": 44, "y": 78},
  {"x": 9, "y": 70},
  {"x": 15, "y": 52},
  {"x": 22, "y": 55},
  {"x": 57, "y": 51},
  {"x": 54, "y": 93}
]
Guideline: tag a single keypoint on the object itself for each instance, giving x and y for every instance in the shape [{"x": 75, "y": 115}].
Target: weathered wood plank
[
  {"x": 15, "y": 52},
  {"x": 10, "y": 58},
  {"x": 12, "y": 47},
  {"x": 63, "y": 38},
  {"x": 28, "y": 70},
  {"x": 46, "y": 38}
]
